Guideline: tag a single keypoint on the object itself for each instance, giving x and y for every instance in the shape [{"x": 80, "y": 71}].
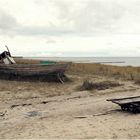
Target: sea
[{"x": 118, "y": 61}]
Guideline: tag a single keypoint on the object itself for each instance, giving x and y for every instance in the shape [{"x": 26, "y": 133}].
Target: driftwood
[
  {"x": 17, "y": 105},
  {"x": 98, "y": 114}
]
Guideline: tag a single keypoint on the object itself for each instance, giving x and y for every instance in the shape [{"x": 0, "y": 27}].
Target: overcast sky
[{"x": 70, "y": 27}]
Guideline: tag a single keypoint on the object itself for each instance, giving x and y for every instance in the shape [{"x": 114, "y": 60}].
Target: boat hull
[{"x": 33, "y": 72}]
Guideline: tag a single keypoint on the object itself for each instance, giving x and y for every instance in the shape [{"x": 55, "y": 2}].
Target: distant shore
[{"x": 116, "y": 61}]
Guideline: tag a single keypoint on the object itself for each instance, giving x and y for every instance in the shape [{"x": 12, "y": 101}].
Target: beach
[
  {"x": 40, "y": 110},
  {"x": 69, "y": 69}
]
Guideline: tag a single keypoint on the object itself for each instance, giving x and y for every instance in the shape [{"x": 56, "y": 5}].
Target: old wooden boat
[
  {"x": 131, "y": 104},
  {"x": 42, "y": 72}
]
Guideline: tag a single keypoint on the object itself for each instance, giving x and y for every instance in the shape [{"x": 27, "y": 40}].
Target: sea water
[{"x": 119, "y": 61}]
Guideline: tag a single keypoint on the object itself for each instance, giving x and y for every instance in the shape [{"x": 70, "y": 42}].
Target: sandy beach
[{"x": 37, "y": 110}]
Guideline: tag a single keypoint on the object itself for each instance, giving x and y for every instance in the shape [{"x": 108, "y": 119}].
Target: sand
[{"x": 35, "y": 110}]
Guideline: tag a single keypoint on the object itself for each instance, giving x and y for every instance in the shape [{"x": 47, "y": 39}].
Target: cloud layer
[
  {"x": 64, "y": 24},
  {"x": 8, "y": 23},
  {"x": 60, "y": 17}
]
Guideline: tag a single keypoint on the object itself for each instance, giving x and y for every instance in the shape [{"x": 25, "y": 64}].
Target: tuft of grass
[{"x": 87, "y": 85}]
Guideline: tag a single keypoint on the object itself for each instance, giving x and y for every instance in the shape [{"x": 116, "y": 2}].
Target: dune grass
[{"x": 125, "y": 73}]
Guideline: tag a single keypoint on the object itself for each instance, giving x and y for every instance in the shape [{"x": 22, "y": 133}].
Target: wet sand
[{"x": 32, "y": 110}]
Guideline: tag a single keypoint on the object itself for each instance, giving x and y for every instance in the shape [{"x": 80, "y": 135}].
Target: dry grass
[
  {"x": 87, "y": 85},
  {"x": 117, "y": 72}
]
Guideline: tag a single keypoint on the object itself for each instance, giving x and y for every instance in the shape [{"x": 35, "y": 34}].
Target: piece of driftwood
[
  {"x": 94, "y": 115},
  {"x": 17, "y": 105}
]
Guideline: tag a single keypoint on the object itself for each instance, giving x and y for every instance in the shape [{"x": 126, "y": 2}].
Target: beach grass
[{"x": 117, "y": 72}]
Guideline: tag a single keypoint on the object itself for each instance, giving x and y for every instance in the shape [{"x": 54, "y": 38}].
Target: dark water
[{"x": 119, "y": 61}]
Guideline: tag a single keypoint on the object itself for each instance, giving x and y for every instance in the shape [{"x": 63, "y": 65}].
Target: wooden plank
[
  {"x": 37, "y": 68},
  {"x": 127, "y": 100},
  {"x": 33, "y": 72},
  {"x": 131, "y": 97}
]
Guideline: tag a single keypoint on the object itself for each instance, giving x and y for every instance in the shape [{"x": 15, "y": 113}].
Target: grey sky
[{"x": 88, "y": 27}]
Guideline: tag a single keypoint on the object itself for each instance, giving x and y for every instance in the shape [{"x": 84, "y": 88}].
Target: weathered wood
[
  {"x": 130, "y": 104},
  {"x": 125, "y": 100},
  {"x": 33, "y": 71}
]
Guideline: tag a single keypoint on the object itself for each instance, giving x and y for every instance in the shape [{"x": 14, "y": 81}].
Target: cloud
[
  {"x": 91, "y": 16},
  {"x": 8, "y": 23},
  {"x": 51, "y": 41},
  {"x": 42, "y": 31},
  {"x": 74, "y": 18},
  {"x": 69, "y": 17}
]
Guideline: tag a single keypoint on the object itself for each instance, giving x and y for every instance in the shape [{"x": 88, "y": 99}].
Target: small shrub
[
  {"x": 98, "y": 86},
  {"x": 87, "y": 85}
]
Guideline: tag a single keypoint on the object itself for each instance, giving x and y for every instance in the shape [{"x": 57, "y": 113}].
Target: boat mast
[{"x": 8, "y": 50}]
